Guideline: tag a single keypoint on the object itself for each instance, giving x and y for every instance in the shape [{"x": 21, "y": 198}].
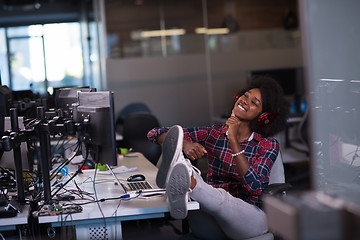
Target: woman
[{"x": 240, "y": 155}]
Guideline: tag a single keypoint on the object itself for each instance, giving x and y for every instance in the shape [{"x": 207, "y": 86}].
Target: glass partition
[
  {"x": 331, "y": 42},
  {"x": 168, "y": 28}
]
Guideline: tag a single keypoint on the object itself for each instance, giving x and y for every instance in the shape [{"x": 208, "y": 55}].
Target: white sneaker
[
  {"x": 175, "y": 173},
  {"x": 177, "y": 190},
  {"x": 171, "y": 151}
]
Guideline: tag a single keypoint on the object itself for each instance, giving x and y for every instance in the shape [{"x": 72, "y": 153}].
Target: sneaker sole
[
  {"x": 176, "y": 189},
  {"x": 171, "y": 149}
]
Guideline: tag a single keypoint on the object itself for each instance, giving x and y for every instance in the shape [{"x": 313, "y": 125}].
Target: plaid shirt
[{"x": 222, "y": 173}]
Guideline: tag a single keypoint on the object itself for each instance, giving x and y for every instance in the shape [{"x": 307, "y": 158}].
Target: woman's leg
[
  {"x": 237, "y": 218},
  {"x": 205, "y": 226}
]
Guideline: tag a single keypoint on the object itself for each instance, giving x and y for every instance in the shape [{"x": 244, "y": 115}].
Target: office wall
[
  {"x": 190, "y": 79},
  {"x": 176, "y": 88}
]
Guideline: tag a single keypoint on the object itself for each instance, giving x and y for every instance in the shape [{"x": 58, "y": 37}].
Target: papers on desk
[
  {"x": 116, "y": 170},
  {"x": 77, "y": 159},
  {"x": 131, "y": 154}
]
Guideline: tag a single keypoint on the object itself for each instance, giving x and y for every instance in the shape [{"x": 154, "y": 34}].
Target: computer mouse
[{"x": 136, "y": 177}]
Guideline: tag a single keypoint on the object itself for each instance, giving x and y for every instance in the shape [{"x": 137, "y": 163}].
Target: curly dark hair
[{"x": 273, "y": 102}]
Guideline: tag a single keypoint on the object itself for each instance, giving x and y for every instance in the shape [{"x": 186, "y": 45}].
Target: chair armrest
[{"x": 277, "y": 188}]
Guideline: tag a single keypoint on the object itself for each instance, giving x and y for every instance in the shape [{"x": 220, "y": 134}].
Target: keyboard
[{"x": 134, "y": 186}]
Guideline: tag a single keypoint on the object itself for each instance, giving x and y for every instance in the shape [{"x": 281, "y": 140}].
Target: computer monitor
[
  {"x": 5, "y": 103},
  {"x": 291, "y": 79},
  {"x": 5, "y": 100},
  {"x": 65, "y": 97},
  {"x": 97, "y": 108},
  {"x": 23, "y": 95},
  {"x": 7, "y": 160}
]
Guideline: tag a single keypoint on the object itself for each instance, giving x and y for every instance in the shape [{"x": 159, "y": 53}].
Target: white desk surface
[
  {"x": 129, "y": 209},
  {"x": 20, "y": 219}
]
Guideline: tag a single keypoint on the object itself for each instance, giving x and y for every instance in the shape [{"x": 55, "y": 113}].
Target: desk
[
  {"x": 20, "y": 219},
  {"x": 91, "y": 221}
]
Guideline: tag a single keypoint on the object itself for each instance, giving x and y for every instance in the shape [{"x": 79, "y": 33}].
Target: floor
[
  {"x": 153, "y": 229},
  {"x": 149, "y": 229}
]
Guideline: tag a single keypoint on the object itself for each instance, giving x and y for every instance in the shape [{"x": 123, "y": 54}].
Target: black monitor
[
  {"x": 7, "y": 160},
  {"x": 5, "y": 104},
  {"x": 97, "y": 108},
  {"x": 65, "y": 97},
  {"x": 23, "y": 95},
  {"x": 5, "y": 100},
  {"x": 291, "y": 79}
]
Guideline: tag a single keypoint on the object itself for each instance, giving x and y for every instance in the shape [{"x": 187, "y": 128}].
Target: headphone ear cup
[
  {"x": 264, "y": 119},
  {"x": 235, "y": 98}
]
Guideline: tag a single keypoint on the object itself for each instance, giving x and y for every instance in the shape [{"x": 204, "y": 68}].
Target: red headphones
[{"x": 266, "y": 119}]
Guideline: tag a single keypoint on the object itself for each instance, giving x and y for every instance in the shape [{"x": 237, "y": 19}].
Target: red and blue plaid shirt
[{"x": 222, "y": 172}]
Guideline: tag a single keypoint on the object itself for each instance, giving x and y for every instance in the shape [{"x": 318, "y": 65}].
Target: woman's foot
[
  {"x": 171, "y": 151},
  {"x": 177, "y": 188},
  {"x": 175, "y": 172}
]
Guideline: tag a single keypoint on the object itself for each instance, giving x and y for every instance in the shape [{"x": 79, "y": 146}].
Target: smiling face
[{"x": 249, "y": 105}]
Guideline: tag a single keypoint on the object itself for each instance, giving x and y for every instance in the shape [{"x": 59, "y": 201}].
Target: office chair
[
  {"x": 136, "y": 127},
  {"x": 131, "y": 108},
  {"x": 302, "y": 143},
  {"x": 277, "y": 186}
]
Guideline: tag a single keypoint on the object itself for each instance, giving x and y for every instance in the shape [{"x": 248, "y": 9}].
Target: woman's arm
[
  {"x": 261, "y": 165},
  {"x": 192, "y": 150},
  {"x": 154, "y": 135},
  {"x": 242, "y": 164},
  {"x": 160, "y": 138},
  {"x": 234, "y": 125},
  {"x": 191, "y": 146}
]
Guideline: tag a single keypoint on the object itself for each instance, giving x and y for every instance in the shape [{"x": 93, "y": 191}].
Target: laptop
[{"x": 138, "y": 188}]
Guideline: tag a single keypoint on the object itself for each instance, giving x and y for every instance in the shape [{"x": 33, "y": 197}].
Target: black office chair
[
  {"x": 136, "y": 127},
  {"x": 129, "y": 109}
]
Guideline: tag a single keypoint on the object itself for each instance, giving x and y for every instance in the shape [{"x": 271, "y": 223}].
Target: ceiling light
[
  {"x": 212, "y": 31},
  {"x": 159, "y": 33},
  {"x": 331, "y": 80}
]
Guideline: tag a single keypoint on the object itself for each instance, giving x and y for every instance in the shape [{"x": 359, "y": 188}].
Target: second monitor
[{"x": 97, "y": 110}]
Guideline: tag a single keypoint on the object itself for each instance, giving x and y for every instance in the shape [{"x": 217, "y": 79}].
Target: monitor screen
[{"x": 97, "y": 108}]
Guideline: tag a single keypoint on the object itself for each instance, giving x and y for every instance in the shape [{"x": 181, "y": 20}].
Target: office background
[{"x": 188, "y": 78}]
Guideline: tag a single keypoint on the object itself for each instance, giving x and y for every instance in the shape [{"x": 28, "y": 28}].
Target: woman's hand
[
  {"x": 193, "y": 150},
  {"x": 233, "y": 124}
]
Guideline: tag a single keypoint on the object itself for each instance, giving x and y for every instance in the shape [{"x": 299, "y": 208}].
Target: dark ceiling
[{"x": 26, "y": 12}]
